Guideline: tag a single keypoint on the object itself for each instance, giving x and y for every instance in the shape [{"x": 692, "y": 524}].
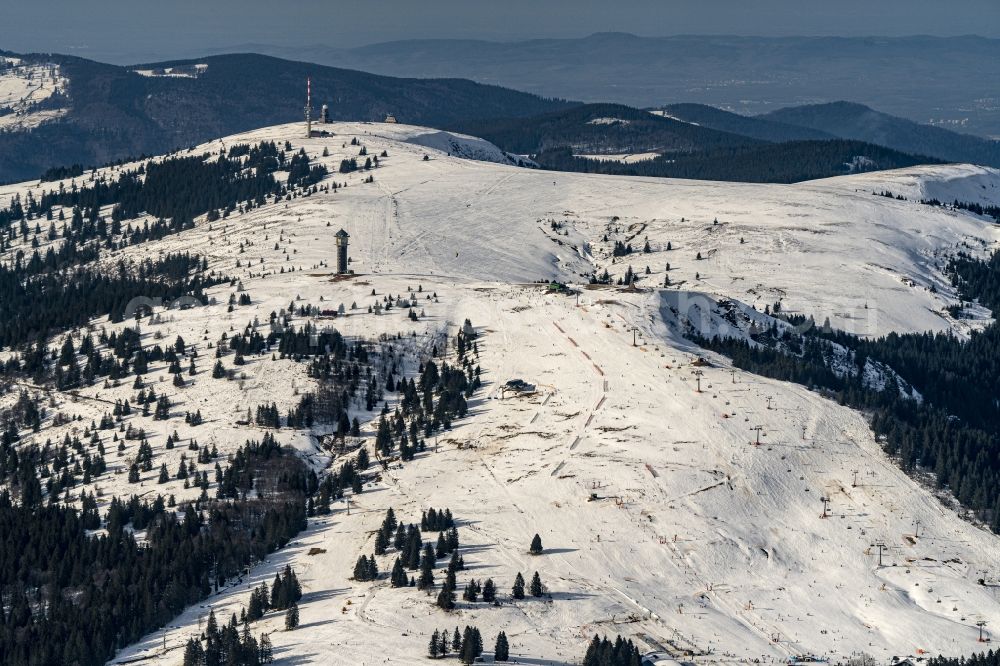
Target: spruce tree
[
  {"x": 194, "y": 654},
  {"x": 254, "y": 609},
  {"x": 434, "y": 649},
  {"x": 398, "y": 576},
  {"x": 501, "y": 652},
  {"x": 413, "y": 548},
  {"x": 443, "y": 645},
  {"x": 536, "y": 545},
  {"x": 361, "y": 569},
  {"x": 381, "y": 542},
  {"x": 536, "y": 585},
  {"x": 292, "y": 617},
  {"x": 279, "y": 599},
  {"x": 446, "y": 597},
  {"x": 426, "y": 568},
  {"x": 264, "y": 650},
  {"x": 489, "y": 591},
  {"x": 399, "y": 540},
  {"x": 471, "y": 591},
  {"x": 518, "y": 590}
]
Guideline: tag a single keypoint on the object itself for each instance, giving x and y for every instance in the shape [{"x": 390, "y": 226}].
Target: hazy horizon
[{"x": 128, "y": 32}]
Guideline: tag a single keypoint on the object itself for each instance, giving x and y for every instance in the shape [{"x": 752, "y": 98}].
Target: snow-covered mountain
[{"x": 633, "y": 460}]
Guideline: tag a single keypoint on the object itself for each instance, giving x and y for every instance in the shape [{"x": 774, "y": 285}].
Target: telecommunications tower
[{"x": 308, "y": 108}]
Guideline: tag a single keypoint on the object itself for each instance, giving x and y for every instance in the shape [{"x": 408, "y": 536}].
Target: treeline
[
  {"x": 35, "y": 303},
  {"x": 174, "y": 190},
  {"x": 177, "y": 188},
  {"x": 228, "y": 646},
  {"x": 991, "y": 658},
  {"x": 971, "y": 206},
  {"x": 602, "y": 652},
  {"x": 62, "y": 172},
  {"x": 789, "y": 162},
  {"x": 73, "y": 598},
  {"x": 954, "y": 431}
]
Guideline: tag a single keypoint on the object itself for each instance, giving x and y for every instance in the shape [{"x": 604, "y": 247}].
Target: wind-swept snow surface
[{"x": 662, "y": 518}]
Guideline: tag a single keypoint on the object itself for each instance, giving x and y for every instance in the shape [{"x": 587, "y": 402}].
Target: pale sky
[{"x": 129, "y": 31}]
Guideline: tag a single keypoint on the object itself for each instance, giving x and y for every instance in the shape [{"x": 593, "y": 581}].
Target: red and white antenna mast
[{"x": 308, "y": 107}]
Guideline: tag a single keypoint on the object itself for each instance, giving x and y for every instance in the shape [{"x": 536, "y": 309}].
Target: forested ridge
[
  {"x": 599, "y": 128},
  {"x": 33, "y": 307},
  {"x": 556, "y": 141},
  {"x": 789, "y": 162},
  {"x": 73, "y": 598}
]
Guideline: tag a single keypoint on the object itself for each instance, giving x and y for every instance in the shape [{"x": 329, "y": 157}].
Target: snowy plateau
[{"x": 634, "y": 458}]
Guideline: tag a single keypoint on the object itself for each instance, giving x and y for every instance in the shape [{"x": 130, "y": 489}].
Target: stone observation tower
[{"x": 342, "y": 237}]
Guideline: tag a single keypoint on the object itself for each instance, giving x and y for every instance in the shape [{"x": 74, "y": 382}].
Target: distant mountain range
[
  {"x": 846, "y": 120},
  {"x": 112, "y": 112},
  {"x": 102, "y": 113},
  {"x": 953, "y": 81},
  {"x": 856, "y": 121}
]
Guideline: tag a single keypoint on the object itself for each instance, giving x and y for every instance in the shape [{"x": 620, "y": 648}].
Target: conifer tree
[
  {"x": 381, "y": 542},
  {"x": 536, "y": 585},
  {"x": 399, "y": 540},
  {"x": 501, "y": 652},
  {"x": 292, "y": 617},
  {"x": 426, "y": 568},
  {"x": 472, "y": 645},
  {"x": 194, "y": 654},
  {"x": 536, "y": 545},
  {"x": 255, "y": 610},
  {"x": 443, "y": 644},
  {"x": 434, "y": 649},
  {"x": 489, "y": 591},
  {"x": 398, "y": 576},
  {"x": 362, "y": 569},
  {"x": 471, "y": 591},
  {"x": 446, "y": 597},
  {"x": 264, "y": 650},
  {"x": 413, "y": 548},
  {"x": 518, "y": 590}
]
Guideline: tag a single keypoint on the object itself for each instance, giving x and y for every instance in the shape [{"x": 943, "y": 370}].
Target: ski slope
[{"x": 662, "y": 520}]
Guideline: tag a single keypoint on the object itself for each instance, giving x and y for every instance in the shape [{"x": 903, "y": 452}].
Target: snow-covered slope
[
  {"x": 661, "y": 520},
  {"x": 23, "y": 86}
]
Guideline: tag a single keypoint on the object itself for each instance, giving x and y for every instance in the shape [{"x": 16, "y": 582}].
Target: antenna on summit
[{"x": 308, "y": 109}]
